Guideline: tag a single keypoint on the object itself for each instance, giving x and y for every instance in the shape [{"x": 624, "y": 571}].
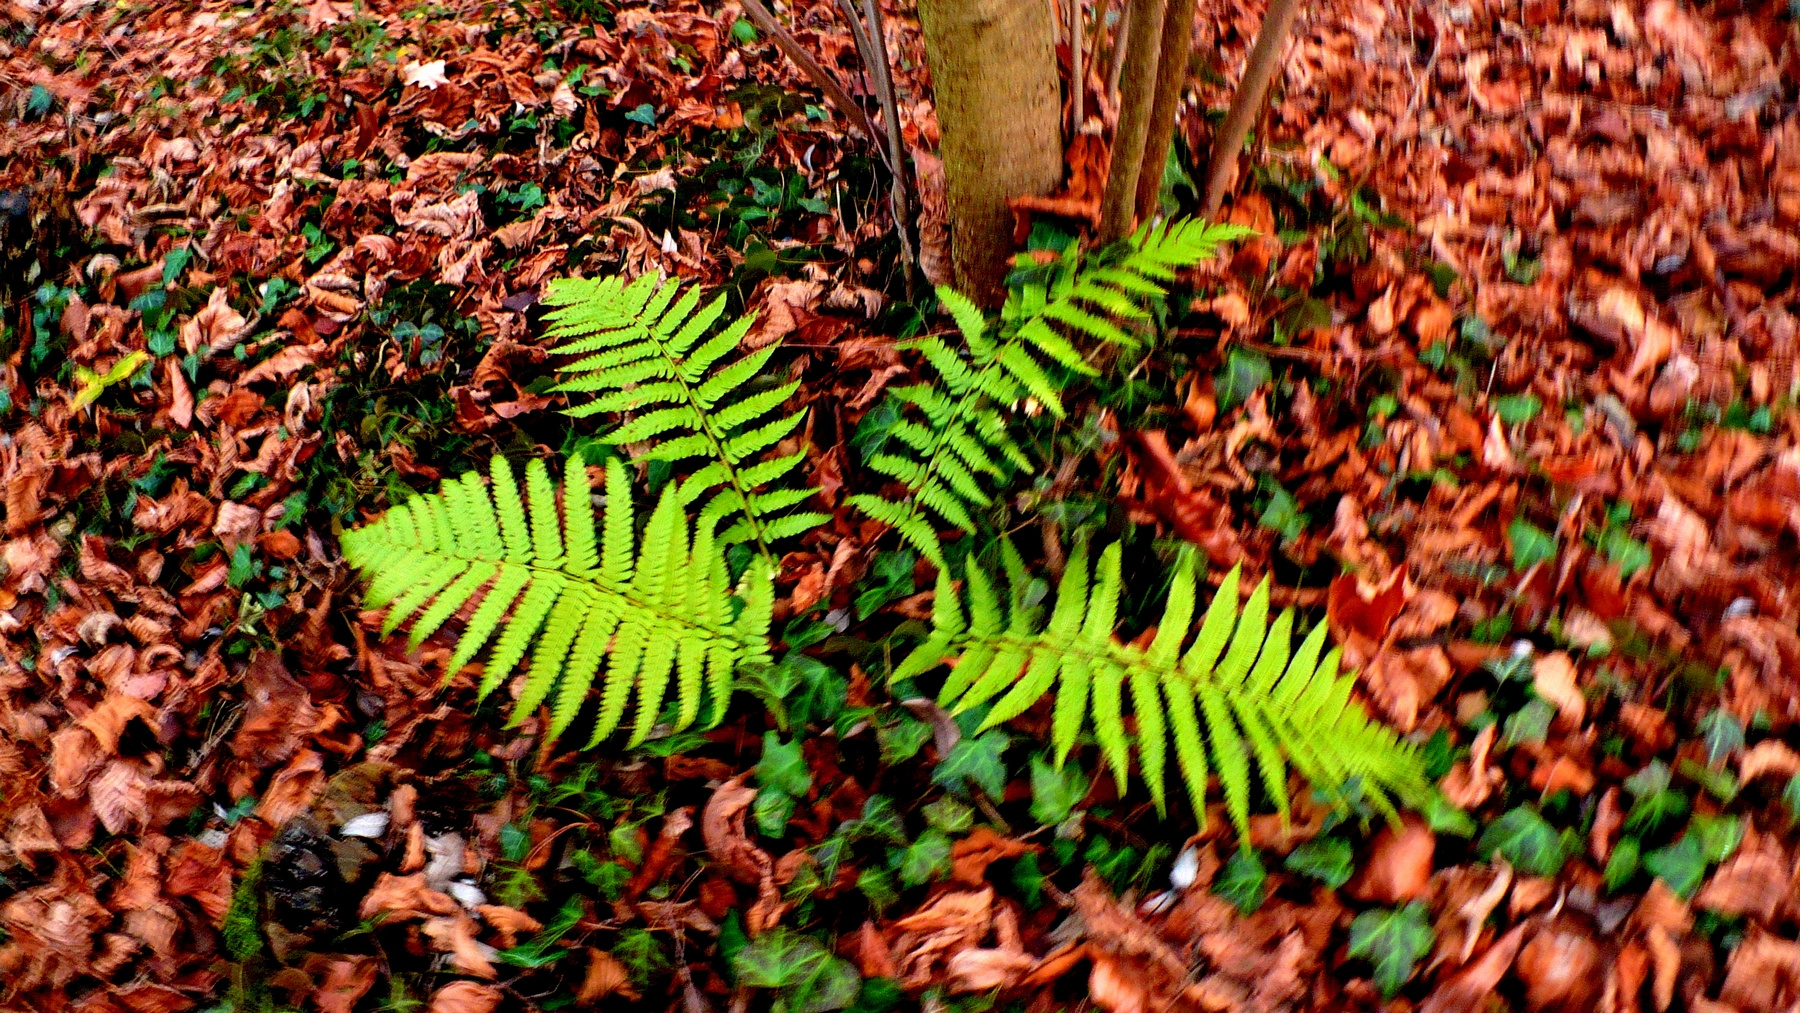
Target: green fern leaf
[
  {"x": 965, "y": 455},
  {"x": 643, "y": 618},
  {"x": 644, "y": 350},
  {"x": 1231, "y": 695}
]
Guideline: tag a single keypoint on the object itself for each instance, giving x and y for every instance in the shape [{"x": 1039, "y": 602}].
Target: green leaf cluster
[
  {"x": 542, "y": 576},
  {"x": 952, "y": 447},
  {"x": 1237, "y": 697},
  {"x": 650, "y": 350}
]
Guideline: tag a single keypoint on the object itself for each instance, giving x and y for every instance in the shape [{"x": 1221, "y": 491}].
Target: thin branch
[
  {"x": 1077, "y": 76},
  {"x": 1143, "y": 50},
  {"x": 827, "y": 82},
  {"x": 1171, "y": 75},
  {"x": 1259, "y": 70},
  {"x": 900, "y": 192},
  {"x": 1117, "y": 65}
]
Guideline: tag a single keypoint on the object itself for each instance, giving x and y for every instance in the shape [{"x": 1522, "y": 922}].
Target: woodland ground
[{"x": 1512, "y": 359}]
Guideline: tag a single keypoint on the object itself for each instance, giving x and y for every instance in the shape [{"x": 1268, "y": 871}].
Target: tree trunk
[
  {"x": 1171, "y": 74},
  {"x": 994, "y": 75},
  {"x": 1143, "y": 49},
  {"x": 1259, "y": 70}
]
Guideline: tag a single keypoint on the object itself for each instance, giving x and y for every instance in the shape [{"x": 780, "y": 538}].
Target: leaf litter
[{"x": 1502, "y": 392}]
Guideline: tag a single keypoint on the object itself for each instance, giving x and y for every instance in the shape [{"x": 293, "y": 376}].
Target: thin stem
[
  {"x": 827, "y": 82},
  {"x": 1259, "y": 70}
]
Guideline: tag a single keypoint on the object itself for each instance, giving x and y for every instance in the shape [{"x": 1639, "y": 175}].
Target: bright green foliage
[
  {"x": 1235, "y": 698},
  {"x": 1394, "y": 940},
  {"x": 644, "y": 349},
  {"x": 547, "y": 578},
  {"x": 954, "y": 447}
]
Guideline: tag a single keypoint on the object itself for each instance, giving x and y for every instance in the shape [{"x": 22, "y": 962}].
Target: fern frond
[
  {"x": 649, "y": 350},
  {"x": 1236, "y": 701},
  {"x": 967, "y": 454},
  {"x": 585, "y": 601}
]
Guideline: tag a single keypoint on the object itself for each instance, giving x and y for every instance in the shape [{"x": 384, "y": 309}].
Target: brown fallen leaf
[
  {"x": 1468, "y": 991},
  {"x": 1398, "y": 868},
  {"x": 605, "y": 976},
  {"x": 347, "y": 980},
  {"x": 970, "y": 857},
  {"x": 465, "y": 997},
  {"x": 1560, "y": 968}
]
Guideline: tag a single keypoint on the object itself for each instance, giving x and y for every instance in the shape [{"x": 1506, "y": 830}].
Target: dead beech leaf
[
  {"x": 455, "y": 935},
  {"x": 1553, "y": 677},
  {"x": 970, "y": 857},
  {"x": 1115, "y": 989},
  {"x": 216, "y": 327},
  {"x": 347, "y": 980},
  {"x": 1561, "y": 968},
  {"x": 1475, "y": 911},
  {"x": 722, "y": 826},
  {"x": 1399, "y": 865},
  {"x": 465, "y": 997},
  {"x": 1468, "y": 991},
  {"x": 1770, "y": 756},
  {"x": 605, "y": 976},
  {"x": 428, "y": 75}
]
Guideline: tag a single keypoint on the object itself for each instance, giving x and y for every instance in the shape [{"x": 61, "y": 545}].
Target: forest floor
[{"x": 1503, "y": 390}]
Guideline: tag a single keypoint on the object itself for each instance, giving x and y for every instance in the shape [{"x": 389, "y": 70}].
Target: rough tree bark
[
  {"x": 1171, "y": 74},
  {"x": 994, "y": 75},
  {"x": 1259, "y": 70},
  {"x": 1143, "y": 49}
]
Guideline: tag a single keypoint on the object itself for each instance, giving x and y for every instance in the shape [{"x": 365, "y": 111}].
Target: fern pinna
[
  {"x": 954, "y": 443},
  {"x": 1259, "y": 703},
  {"x": 645, "y": 349},
  {"x": 540, "y": 578}
]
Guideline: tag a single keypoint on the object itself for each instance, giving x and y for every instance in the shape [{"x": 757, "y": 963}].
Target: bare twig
[
  {"x": 827, "y": 82},
  {"x": 1077, "y": 77},
  {"x": 1116, "y": 67},
  {"x": 900, "y": 192},
  {"x": 1171, "y": 74},
  {"x": 1259, "y": 70},
  {"x": 1143, "y": 50}
]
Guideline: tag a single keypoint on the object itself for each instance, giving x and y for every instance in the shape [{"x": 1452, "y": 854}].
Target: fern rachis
[
  {"x": 651, "y": 611},
  {"x": 1235, "y": 698},
  {"x": 965, "y": 443},
  {"x": 644, "y": 348}
]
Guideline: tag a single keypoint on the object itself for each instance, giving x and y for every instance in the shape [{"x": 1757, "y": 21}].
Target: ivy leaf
[
  {"x": 1241, "y": 880},
  {"x": 1656, "y": 812},
  {"x": 1622, "y": 864},
  {"x": 902, "y": 740},
  {"x": 1055, "y": 792},
  {"x": 1393, "y": 941},
  {"x": 880, "y": 821},
  {"x": 1527, "y": 840},
  {"x": 1244, "y": 371},
  {"x": 1530, "y": 723},
  {"x": 1516, "y": 408},
  {"x": 811, "y": 978},
  {"x": 1719, "y": 835},
  {"x": 772, "y": 810},
  {"x": 975, "y": 759},
  {"x": 926, "y": 858},
  {"x": 1330, "y": 860},
  {"x": 1652, "y": 779},
  {"x": 1626, "y": 552},
  {"x": 1444, "y": 818},
  {"x": 1682, "y": 865},
  {"x": 949, "y": 815},
  {"x": 782, "y": 767},
  {"x": 1531, "y": 544},
  {"x": 1723, "y": 735}
]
